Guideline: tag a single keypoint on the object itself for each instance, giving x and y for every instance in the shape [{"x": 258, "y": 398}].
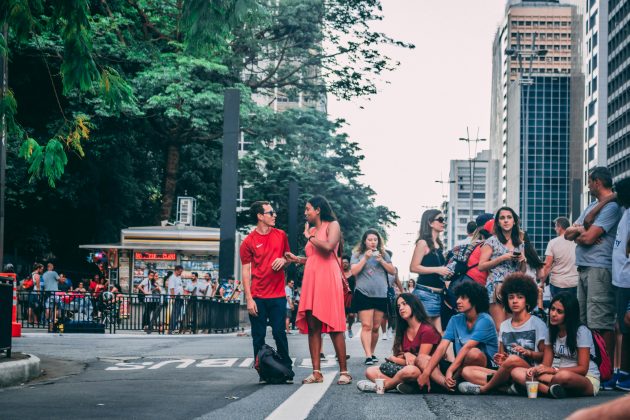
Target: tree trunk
[{"x": 170, "y": 181}]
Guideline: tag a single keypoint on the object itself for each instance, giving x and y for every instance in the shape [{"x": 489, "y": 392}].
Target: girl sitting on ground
[
  {"x": 567, "y": 368},
  {"x": 521, "y": 339},
  {"x": 415, "y": 334}
]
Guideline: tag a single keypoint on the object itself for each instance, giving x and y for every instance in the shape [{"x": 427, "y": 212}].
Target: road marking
[
  {"x": 247, "y": 362},
  {"x": 128, "y": 363},
  {"x": 299, "y": 405}
]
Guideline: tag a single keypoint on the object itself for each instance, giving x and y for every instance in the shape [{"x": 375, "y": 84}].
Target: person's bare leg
[
  {"x": 374, "y": 372},
  {"x": 498, "y": 314},
  {"x": 406, "y": 374},
  {"x": 376, "y": 323},
  {"x": 339, "y": 343},
  {"x": 574, "y": 383},
  {"x": 437, "y": 323},
  {"x": 366, "y": 318},
  {"x": 384, "y": 324},
  {"x": 476, "y": 374},
  {"x": 314, "y": 341},
  {"x": 519, "y": 376},
  {"x": 504, "y": 374},
  {"x": 609, "y": 339}
]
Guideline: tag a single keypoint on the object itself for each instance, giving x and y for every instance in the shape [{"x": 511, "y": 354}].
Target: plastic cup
[
  {"x": 380, "y": 386},
  {"x": 532, "y": 389}
]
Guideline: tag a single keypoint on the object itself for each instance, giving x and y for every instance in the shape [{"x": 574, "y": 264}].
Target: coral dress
[{"x": 322, "y": 290}]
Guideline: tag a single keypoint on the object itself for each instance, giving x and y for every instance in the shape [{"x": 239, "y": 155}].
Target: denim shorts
[
  {"x": 431, "y": 301},
  {"x": 491, "y": 286}
]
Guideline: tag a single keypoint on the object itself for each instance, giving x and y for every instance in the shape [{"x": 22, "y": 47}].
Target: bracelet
[{"x": 310, "y": 237}]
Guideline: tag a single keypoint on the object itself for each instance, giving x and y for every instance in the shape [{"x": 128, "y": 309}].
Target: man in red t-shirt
[{"x": 262, "y": 256}]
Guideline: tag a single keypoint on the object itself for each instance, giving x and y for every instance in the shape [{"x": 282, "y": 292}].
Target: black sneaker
[
  {"x": 368, "y": 361},
  {"x": 375, "y": 359},
  {"x": 261, "y": 381},
  {"x": 557, "y": 391},
  {"x": 408, "y": 388},
  {"x": 347, "y": 357}
]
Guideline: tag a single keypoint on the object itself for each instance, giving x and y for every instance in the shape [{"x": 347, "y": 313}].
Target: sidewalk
[{"x": 18, "y": 369}]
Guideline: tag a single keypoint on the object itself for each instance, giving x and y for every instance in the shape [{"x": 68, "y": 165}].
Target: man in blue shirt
[
  {"x": 474, "y": 338},
  {"x": 593, "y": 256}
]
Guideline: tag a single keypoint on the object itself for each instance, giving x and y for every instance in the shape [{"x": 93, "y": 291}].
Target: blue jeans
[
  {"x": 274, "y": 311},
  {"x": 431, "y": 301},
  {"x": 555, "y": 290}
]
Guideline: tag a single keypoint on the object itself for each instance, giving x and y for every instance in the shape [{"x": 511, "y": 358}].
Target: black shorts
[{"x": 360, "y": 302}]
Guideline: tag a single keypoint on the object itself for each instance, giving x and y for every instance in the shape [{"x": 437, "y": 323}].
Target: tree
[
  {"x": 198, "y": 48},
  {"x": 305, "y": 146}
]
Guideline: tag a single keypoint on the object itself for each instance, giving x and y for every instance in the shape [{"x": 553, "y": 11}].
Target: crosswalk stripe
[{"x": 299, "y": 405}]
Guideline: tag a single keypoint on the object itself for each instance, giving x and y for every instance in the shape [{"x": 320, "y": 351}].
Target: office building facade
[
  {"x": 536, "y": 132},
  {"x": 467, "y": 199},
  {"x": 618, "y": 147}
]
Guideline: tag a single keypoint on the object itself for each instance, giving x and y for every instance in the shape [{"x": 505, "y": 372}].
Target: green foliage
[
  {"x": 305, "y": 146},
  {"x": 139, "y": 77}
]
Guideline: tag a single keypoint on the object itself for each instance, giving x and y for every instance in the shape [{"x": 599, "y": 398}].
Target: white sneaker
[
  {"x": 389, "y": 334},
  {"x": 469, "y": 388},
  {"x": 385, "y": 337},
  {"x": 366, "y": 386}
]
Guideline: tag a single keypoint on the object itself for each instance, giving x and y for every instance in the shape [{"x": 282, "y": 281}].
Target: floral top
[{"x": 498, "y": 273}]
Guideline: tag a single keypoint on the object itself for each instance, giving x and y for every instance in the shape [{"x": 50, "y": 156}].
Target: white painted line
[
  {"x": 299, "y": 405},
  {"x": 247, "y": 362}
]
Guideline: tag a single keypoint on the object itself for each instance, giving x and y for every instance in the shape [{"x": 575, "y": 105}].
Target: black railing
[{"x": 75, "y": 312}]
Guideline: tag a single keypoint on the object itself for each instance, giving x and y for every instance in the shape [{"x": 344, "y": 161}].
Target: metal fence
[{"x": 75, "y": 312}]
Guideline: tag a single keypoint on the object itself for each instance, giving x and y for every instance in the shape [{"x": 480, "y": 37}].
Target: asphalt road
[{"x": 211, "y": 376}]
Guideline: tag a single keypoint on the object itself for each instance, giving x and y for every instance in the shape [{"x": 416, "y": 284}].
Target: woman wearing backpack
[{"x": 568, "y": 367}]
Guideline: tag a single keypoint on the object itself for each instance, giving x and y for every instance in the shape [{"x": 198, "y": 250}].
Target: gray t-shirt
[
  {"x": 599, "y": 254},
  {"x": 527, "y": 335},
  {"x": 562, "y": 356},
  {"x": 50, "y": 281},
  {"x": 620, "y": 262},
  {"x": 372, "y": 280}
]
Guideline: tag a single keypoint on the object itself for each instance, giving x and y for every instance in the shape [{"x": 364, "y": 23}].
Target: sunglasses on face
[
  {"x": 270, "y": 213},
  {"x": 439, "y": 219}
]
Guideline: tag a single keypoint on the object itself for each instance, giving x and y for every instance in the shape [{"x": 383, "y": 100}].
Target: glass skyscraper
[{"x": 545, "y": 111}]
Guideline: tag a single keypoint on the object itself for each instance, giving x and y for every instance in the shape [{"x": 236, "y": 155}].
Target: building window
[{"x": 591, "y": 130}]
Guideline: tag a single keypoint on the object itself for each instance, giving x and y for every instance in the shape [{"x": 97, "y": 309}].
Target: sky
[{"x": 409, "y": 130}]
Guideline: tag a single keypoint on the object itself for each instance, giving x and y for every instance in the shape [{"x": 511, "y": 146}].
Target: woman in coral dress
[{"x": 321, "y": 307}]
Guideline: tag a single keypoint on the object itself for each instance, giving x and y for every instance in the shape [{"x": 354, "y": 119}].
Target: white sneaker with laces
[
  {"x": 469, "y": 388},
  {"x": 366, "y": 386}
]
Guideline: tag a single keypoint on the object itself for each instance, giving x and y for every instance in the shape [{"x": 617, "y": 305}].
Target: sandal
[
  {"x": 344, "y": 378},
  {"x": 312, "y": 379}
]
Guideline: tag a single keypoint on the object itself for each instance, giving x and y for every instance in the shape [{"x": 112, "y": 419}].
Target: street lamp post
[
  {"x": 471, "y": 165},
  {"x": 530, "y": 53}
]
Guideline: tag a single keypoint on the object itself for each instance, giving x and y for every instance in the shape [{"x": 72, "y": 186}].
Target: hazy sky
[{"x": 409, "y": 131}]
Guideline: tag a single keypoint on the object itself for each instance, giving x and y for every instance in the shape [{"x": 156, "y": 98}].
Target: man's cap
[{"x": 483, "y": 218}]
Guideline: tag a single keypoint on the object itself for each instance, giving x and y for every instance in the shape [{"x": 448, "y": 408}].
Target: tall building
[
  {"x": 536, "y": 134},
  {"x": 467, "y": 199},
  {"x": 618, "y": 45},
  {"x": 595, "y": 69}
]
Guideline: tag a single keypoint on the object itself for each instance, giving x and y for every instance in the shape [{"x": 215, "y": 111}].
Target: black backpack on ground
[{"x": 270, "y": 367}]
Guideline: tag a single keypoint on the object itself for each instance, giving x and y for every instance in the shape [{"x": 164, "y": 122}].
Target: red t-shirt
[
  {"x": 261, "y": 251},
  {"x": 474, "y": 273},
  {"x": 426, "y": 335}
]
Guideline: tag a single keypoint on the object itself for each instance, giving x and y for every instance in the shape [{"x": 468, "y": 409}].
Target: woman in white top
[{"x": 567, "y": 368}]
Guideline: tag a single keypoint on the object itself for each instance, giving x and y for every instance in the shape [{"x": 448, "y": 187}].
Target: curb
[{"x": 19, "y": 371}]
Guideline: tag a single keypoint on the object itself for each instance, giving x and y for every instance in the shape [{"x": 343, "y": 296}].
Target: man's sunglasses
[
  {"x": 270, "y": 213},
  {"x": 439, "y": 219}
]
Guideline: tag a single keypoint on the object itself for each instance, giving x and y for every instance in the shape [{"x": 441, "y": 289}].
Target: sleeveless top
[{"x": 432, "y": 259}]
